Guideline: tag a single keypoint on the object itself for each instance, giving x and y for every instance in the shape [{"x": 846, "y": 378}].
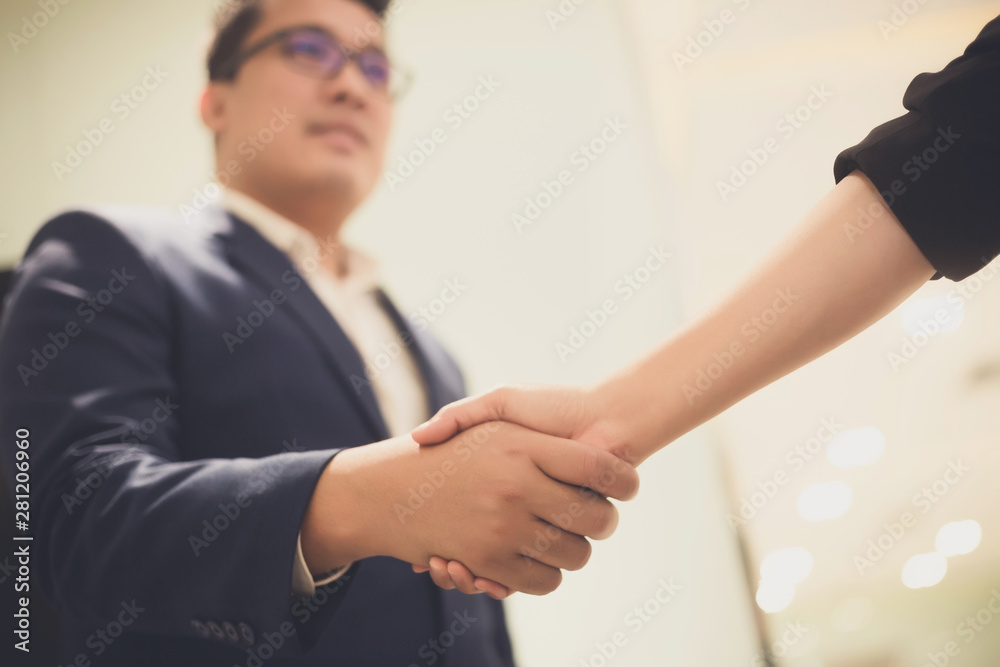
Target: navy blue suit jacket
[{"x": 183, "y": 388}]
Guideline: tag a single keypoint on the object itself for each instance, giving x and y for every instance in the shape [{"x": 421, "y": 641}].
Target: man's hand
[
  {"x": 581, "y": 414},
  {"x": 513, "y": 504}
]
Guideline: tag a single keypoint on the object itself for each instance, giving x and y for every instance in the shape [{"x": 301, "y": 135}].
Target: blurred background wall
[{"x": 685, "y": 89}]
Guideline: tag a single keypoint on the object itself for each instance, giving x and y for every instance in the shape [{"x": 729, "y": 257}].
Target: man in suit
[{"x": 213, "y": 410}]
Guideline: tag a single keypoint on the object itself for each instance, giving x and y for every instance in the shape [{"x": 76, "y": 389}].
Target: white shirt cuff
[{"x": 303, "y": 582}]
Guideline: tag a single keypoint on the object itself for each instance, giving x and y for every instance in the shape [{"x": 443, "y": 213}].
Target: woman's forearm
[{"x": 848, "y": 265}]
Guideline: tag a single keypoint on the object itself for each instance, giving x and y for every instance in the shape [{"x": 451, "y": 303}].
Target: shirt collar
[{"x": 361, "y": 270}]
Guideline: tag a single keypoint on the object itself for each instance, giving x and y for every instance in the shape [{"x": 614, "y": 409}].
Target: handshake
[{"x": 495, "y": 494}]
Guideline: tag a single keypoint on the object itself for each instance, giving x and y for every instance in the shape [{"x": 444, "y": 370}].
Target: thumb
[
  {"x": 460, "y": 415},
  {"x": 434, "y": 431}
]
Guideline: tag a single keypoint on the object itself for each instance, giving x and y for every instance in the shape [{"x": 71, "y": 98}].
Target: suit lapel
[
  {"x": 265, "y": 265},
  {"x": 441, "y": 389},
  {"x": 271, "y": 269}
]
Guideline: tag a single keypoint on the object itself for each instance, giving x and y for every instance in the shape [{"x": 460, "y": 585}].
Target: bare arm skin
[{"x": 827, "y": 285}]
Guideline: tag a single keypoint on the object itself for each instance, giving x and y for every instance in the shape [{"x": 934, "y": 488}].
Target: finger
[
  {"x": 420, "y": 569},
  {"x": 439, "y": 573},
  {"x": 492, "y": 588},
  {"x": 462, "y": 578},
  {"x": 577, "y": 510},
  {"x": 529, "y": 576},
  {"x": 515, "y": 572},
  {"x": 574, "y": 463},
  {"x": 458, "y": 416},
  {"x": 552, "y": 546}
]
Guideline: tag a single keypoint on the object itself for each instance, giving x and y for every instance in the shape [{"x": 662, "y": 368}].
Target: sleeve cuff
[
  {"x": 936, "y": 165},
  {"x": 303, "y": 583}
]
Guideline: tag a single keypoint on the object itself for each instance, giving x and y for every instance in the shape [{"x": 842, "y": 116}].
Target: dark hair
[{"x": 236, "y": 20}]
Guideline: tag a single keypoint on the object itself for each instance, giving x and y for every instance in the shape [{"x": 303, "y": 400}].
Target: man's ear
[{"x": 214, "y": 107}]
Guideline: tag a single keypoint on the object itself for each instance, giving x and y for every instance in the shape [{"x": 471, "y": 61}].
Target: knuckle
[
  {"x": 508, "y": 494},
  {"x": 497, "y": 437},
  {"x": 542, "y": 580},
  {"x": 536, "y": 578},
  {"x": 495, "y": 528},
  {"x": 499, "y": 397},
  {"x": 481, "y": 434}
]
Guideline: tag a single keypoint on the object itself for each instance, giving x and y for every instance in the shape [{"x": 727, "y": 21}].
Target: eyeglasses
[{"x": 312, "y": 50}]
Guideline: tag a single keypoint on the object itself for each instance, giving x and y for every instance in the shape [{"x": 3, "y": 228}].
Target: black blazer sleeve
[
  {"x": 938, "y": 166},
  {"x": 114, "y": 515}
]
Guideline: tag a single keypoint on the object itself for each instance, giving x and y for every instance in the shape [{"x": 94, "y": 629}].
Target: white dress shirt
[{"x": 351, "y": 299}]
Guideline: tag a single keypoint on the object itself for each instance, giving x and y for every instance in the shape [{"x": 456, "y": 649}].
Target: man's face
[{"x": 336, "y": 136}]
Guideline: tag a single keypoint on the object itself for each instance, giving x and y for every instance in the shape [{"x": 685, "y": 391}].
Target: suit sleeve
[
  {"x": 938, "y": 165},
  {"x": 120, "y": 520}
]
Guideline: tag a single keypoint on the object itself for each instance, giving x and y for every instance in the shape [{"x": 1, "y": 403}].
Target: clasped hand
[{"x": 558, "y": 539}]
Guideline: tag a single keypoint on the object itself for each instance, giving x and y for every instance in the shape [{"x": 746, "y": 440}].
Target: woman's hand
[{"x": 583, "y": 414}]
